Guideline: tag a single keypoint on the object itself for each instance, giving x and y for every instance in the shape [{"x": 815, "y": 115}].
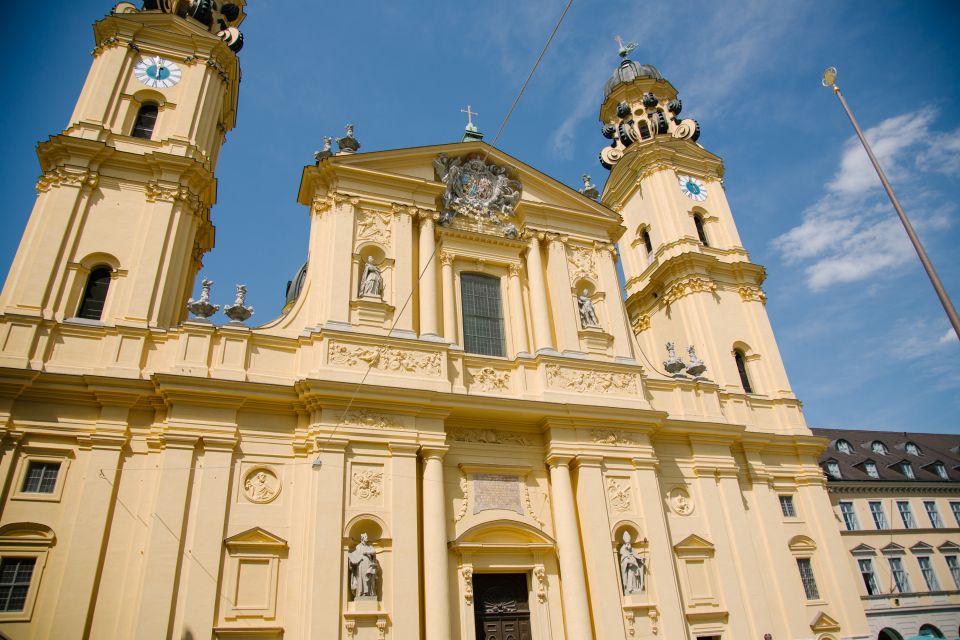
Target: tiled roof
[{"x": 934, "y": 447}]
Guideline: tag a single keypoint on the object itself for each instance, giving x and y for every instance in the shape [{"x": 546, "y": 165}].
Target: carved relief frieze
[
  {"x": 376, "y": 226},
  {"x": 367, "y": 484},
  {"x": 610, "y": 436},
  {"x": 490, "y": 380},
  {"x": 385, "y": 359},
  {"x": 583, "y": 264},
  {"x": 57, "y": 177},
  {"x": 754, "y": 293},
  {"x": 261, "y": 485},
  {"x": 619, "y": 495},
  {"x": 490, "y": 436},
  {"x": 367, "y": 418},
  {"x": 686, "y": 286},
  {"x": 591, "y": 381}
]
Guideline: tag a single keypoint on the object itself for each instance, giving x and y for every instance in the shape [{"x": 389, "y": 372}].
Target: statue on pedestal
[
  {"x": 363, "y": 569},
  {"x": 631, "y": 567},
  {"x": 588, "y": 314},
  {"x": 371, "y": 282}
]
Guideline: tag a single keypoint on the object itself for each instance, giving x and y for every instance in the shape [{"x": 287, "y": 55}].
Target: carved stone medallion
[
  {"x": 680, "y": 501},
  {"x": 261, "y": 485}
]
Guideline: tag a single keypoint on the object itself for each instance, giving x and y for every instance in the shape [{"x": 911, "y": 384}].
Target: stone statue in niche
[
  {"x": 632, "y": 567},
  {"x": 371, "y": 282},
  {"x": 364, "y": 570},
  {"x": 588, "y": 314}
]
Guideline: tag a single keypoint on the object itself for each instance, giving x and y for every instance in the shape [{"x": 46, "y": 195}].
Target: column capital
[
  {"x": 427, "y": 217},
  {"x": 558, "y": 460},
  {"x": 514, "y": 270},
  {"x": 446, "y": 258},
  {"x": 433, "y": 451}
]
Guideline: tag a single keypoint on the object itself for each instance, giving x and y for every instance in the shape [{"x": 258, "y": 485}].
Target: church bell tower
[
  {"x": 689, "y": 280},
  {"x": 122, "y": 216}
]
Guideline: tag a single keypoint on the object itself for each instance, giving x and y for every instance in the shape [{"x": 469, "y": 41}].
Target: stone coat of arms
[{"x": 478, "y": 190}]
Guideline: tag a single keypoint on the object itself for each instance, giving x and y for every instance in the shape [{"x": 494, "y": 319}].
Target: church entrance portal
[{"x": 502, "y": 606}]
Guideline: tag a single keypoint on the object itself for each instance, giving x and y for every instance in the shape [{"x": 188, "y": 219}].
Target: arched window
[
  {"x": 742, "y": 370},
  {"x": 844, "y": 446},
  {"x": 878, "y": 448},
  {"x": 833, "y": 469},
  {"x": 646, "y": 242},
  {"x": 146, "y": 119},
  {"x": 928, "y": 630},
  {"x": 95, "y": 294},
  {"x": 912, "y": 449},
  {"x": 698, "y": 223},
  {"x": 482, "y": 315}
]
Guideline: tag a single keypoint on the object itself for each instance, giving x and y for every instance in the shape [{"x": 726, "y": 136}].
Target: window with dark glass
[
  {"x": 41, "y": 477},
  {"x": 698, "y": 222},
  {"x": 941, "y": 470},
  {"x": 926, "y": 570},
  {"x": 869, "y": 577},
  {"x": 879, "y": 515},
  {"x": 955, "y": 508},
  {"x": 482, "y": 315},
  {"x": 806, "y": 576},
  {"x": 146, "y": 120},
  {"x": 849, "y": 516},
  {"x": 646, "y": 242},
  {"x": 954, "y": 567},
  {"x": 742, "y": 370},
  {"x": 15, "y": 575},
  {"x": 933, "y": 514},
  {"x": 906, "y": 514},
  {"x": 91, "y": 307},
  {"x": 900, "y": 579},
  {"x": 786, "y": 506}
]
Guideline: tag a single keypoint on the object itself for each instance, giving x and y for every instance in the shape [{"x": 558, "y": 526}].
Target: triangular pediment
[
  {"x": 893, "y": 549},
  {"x": 693, "y": 543},
  {"x": 255, "y": 537},
  {"x": 949, "y": 547},
  {"x": 863, "y": 550},
  {"x": 922, "y": 547},
  {"x": 823, "y": 623},
  {"x": 401, "y": 169}
]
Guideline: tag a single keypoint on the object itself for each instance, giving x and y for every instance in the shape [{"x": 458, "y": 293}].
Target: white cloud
[{"x": 851, "y": 233}]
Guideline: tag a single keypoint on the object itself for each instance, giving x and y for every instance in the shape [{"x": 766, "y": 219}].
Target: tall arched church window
[
  {"x": 742, "y": 370},
  {"x": 146, "y": 119},
  {"x": 482, "y": 315},
  {"x": 646, "y": 242},
  {"x": 698, "y": 222},
  {"x": 95, "y": 294}
]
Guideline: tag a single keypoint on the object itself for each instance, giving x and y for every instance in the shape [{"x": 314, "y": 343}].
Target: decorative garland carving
[
  {"x": 752, "y": 292},
  {"x": 59, "y": 176},
  {"x": 464, "y": 488},
  {"x": 489, "y": 436},
  {"x": 385, "y": 359},
  {"x": 367, "y": 418},
  {"x": 583, "y": 381},
  {"x": 375, "y": 225},
  {"x": 610, "y": 436},
  {"x": 619, "y": 495},
  {"x": 489, "y": 379},
  {"x": 367, "y": 484},
  {"x": 583, "y": 264},
  {"x": 541, "y": 575},
  {"x": 529, "y": 504},
  {"x": 467, "y": 573},
  {"x": 686, "y": 286}
]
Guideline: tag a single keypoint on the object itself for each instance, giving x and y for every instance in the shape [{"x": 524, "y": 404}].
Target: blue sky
[{"x": 864, "y": 339}]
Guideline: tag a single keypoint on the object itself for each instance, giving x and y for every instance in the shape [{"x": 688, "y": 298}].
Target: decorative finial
[
  {"x": 589, "y": 189},
  {"x": 470, "y": 132},
  {"x": 202, "y": 307},
  {"x": 696, "y": 366},
  {"x": 326, "y": 151},
  {"x": 348, "y": 144},
  {"x": 625, "y": 48},
  {"x": 238, "y": 311}
]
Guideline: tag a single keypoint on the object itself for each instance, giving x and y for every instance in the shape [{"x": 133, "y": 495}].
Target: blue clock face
[
  {"x": 693, "y": 188},
  {"x": 157, "y": 72}
]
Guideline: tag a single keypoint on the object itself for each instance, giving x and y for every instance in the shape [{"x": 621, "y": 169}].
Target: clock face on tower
[
  {"x": 693, "y": 188},
  {"x": 157, "y": 72}
]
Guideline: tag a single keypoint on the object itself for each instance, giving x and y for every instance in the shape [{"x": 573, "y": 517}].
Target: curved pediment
[{"x": 502, "y": 534}]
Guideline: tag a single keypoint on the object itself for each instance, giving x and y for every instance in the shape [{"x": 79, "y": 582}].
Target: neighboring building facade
[
  {"x": 454, "y": 430},
  {"x": 897, "y": 500}
]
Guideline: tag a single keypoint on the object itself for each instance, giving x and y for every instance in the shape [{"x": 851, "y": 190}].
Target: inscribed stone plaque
[{"x": 496, "y": 491}]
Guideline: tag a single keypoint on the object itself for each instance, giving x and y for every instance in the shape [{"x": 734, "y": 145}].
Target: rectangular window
[
  {"x": 869, "y": 577},
  {"x": 928, "y": 575},
  {"x": 900, "y": 579},
  {"x": 954, "y": 567},
  {"x": 806, "y": 576},
  {"x": 905, "y": 514},
  {"x": 879, "y": 515},
  {"x": 15, "y": 575},
  {"x": 849, "y": 516},
  {"x": 41, "y": 477},
  {"x": 786, "y": 506},
  {"x": 482, "y": 315},
  {"x": 933, "y": 514},
  {"x": 955, "y": 508}
]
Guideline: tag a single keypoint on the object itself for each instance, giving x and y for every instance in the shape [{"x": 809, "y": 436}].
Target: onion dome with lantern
[
  {"x": 219, "y": 16},
  {"x": 638, "y": 106}
]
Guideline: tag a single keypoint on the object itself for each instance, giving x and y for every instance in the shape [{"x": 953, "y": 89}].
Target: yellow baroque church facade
[{"x": 458, "y": 427}]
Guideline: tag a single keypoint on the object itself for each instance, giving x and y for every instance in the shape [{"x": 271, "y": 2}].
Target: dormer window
[
  {"x": 941, "y": 470},
  {"x": 870, "y": 467},
  {"x": 844, "y": 447},
  {"x": 906, "y": 469},
  {"x": 912, "y": 449},
  {"x": 833, "y": 469},
  {"x": 879, "y": 448}
]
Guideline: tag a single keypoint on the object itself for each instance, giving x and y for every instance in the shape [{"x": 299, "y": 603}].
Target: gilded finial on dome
[{"x": 625, "y": 48}]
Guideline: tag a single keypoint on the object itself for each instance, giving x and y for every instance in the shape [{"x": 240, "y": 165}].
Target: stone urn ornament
[
  {"x": 202, "y": 307},
  {"x": 238, "y": 311}
]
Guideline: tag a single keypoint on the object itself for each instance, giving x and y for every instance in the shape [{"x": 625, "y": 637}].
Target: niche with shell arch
[
  {"x": 641, "y": 547},
  {"x": 371, "y": 249},
  {"x": 378, "y": 536},
  {"x": 596, "y": 296}
]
